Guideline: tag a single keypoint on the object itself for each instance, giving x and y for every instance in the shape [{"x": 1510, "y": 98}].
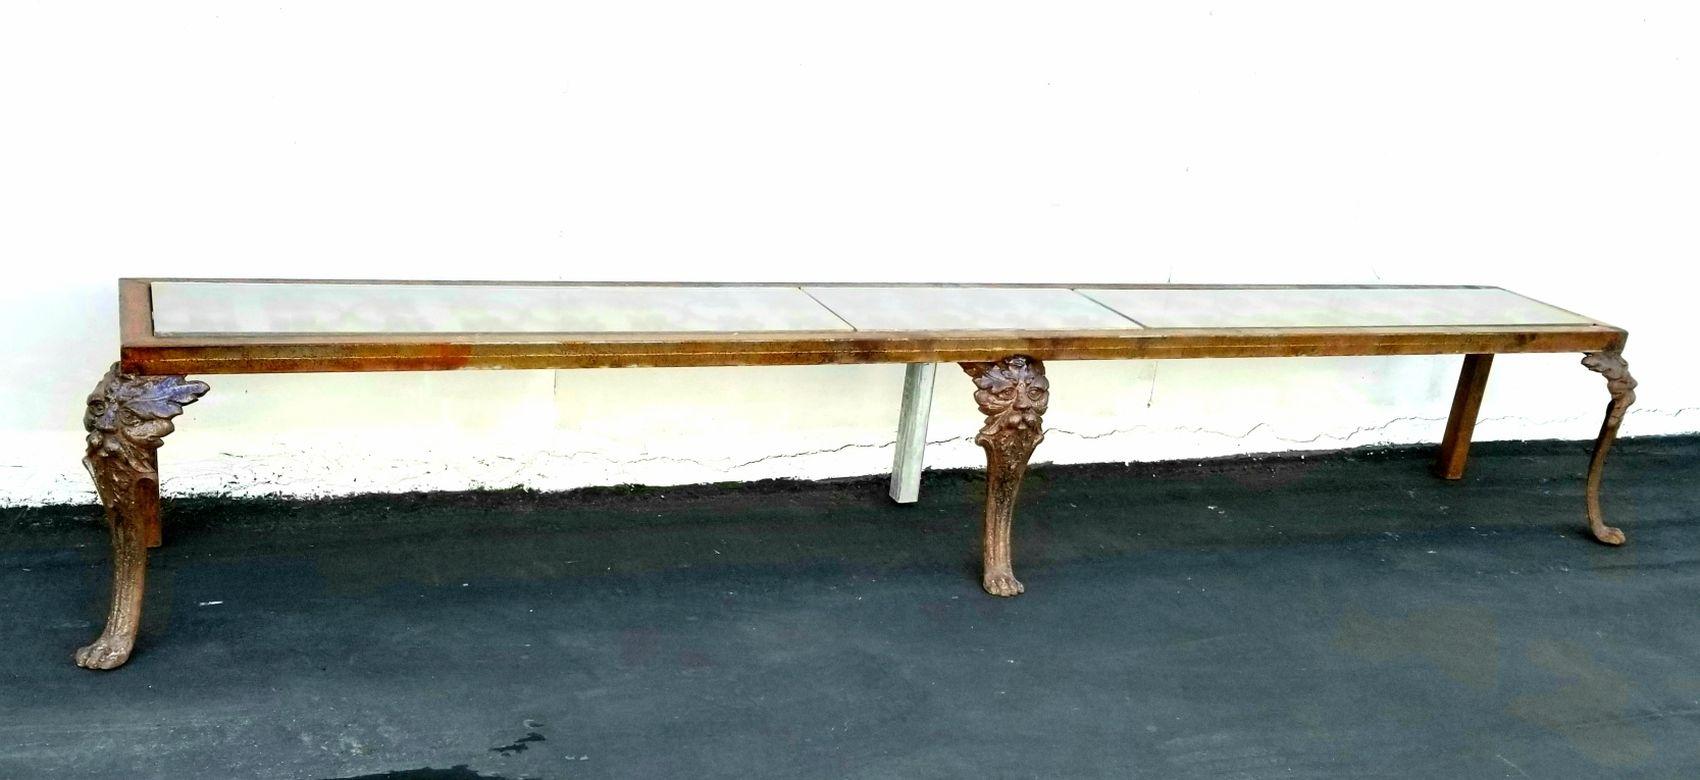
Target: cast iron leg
[
  {"x": 1013, "y": 394},
  {"x": 126, "y": 419},
  {"x": 1622, "y": 387}
]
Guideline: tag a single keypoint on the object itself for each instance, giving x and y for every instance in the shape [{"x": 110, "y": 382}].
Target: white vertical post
[{"x": 912, "y": 432}]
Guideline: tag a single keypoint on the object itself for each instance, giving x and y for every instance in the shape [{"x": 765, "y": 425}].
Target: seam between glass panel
[
  {"x": 829, "y": 309},
  {"x": 1111, "y": 309}
]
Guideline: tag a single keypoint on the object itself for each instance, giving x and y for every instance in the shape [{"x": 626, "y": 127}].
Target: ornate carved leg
[
  {"x": 1622, "y": 386},
  {"x": 1013, "y": 394},
  {"x": 126, "y": 419}
]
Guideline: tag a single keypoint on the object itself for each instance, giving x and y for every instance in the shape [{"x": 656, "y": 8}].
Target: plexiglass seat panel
[
  {"x": 211, "y": 308},
  {"x": 876, "y": 308},
  {"x": 1328, "y": 307},
  {"x": 297, "y": 307}
]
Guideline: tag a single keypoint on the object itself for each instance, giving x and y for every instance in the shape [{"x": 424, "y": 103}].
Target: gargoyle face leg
[
  {"x": 1013, "y": 393},
  {"x": 127, "y": 417},
  {"x": 1621, "y": 385}
]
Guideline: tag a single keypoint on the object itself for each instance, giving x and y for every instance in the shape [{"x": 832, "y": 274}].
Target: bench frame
[{"x": 131, "y": 409}]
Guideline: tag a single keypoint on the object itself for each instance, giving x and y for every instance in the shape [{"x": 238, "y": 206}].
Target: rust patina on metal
[
  {"x": 130, "y": 411},
  {"x": 127, "y": 417},
  {"x": 1013, "y": 393}
]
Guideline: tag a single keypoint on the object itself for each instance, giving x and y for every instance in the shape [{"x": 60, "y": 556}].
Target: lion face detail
[
  {"x": 1619, "y": 383},
  {"x": 127, "y": 416},
  {"x": 1012, "y": 393}
]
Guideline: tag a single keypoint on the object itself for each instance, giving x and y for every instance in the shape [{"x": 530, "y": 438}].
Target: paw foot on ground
[
  {"x": 1609, "y": 535},
  {"x": 105, "y": 653},
  {"x": 1002, "y": 584}
]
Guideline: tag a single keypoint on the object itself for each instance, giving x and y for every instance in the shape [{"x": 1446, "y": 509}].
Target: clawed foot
[
  {"x": 1002, "y": 584},
  {"x": 105, "y": 653},
  {"x": 1608, "y": 535}
]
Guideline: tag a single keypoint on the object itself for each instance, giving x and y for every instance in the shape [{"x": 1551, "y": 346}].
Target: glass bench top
[
  {"x": 285, "y": 307},
  {"x": 301, "y": 307},
  {"x": 968, "y": 308},
  {"x": 1330, "y": 307}
]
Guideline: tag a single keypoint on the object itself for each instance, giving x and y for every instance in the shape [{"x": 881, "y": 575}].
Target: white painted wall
[{"x": 1550, "y": 148}]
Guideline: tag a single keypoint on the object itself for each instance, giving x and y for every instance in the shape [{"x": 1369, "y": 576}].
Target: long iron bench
[{"x": 1000, "y": 335}]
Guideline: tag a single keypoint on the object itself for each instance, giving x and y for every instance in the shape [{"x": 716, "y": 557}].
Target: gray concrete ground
[{"x": 1338, "y": 616}]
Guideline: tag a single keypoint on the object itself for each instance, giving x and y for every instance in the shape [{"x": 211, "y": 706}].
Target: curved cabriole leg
[
  {"x": 127, "y": 418},
  {"x": 1013, "y": 394},
  {"x": 1615, "y": 369}
]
